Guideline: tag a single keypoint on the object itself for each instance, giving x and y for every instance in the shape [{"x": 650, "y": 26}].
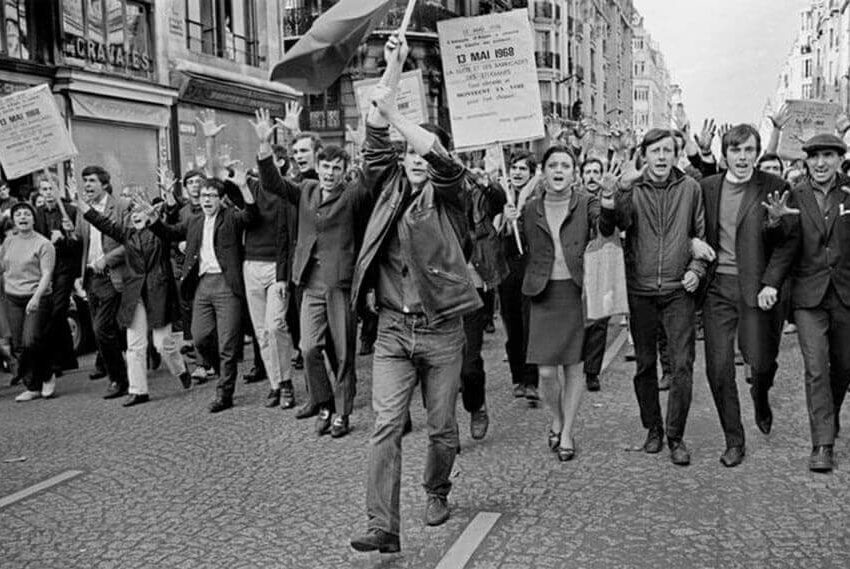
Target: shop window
[
  {"x": 223, "y": 28},
  {"x": 324, "y": 110},
  {"x": 109, "y": 35},
  {"x": 14, "y": 33}
]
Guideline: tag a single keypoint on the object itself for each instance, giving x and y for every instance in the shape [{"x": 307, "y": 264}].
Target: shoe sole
[{"x": 366, "y": 547}]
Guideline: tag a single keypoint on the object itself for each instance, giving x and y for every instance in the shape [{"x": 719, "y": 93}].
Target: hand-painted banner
[{"x": 808, "y": 118}]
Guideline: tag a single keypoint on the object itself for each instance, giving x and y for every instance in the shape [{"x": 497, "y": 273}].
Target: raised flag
[{"x": 320, "y": 56}]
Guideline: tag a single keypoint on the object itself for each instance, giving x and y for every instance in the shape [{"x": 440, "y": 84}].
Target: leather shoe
[
  {"x": 185, "y": 380},
  {"x": 519, "y": 390},
  {"x": 679, "y": 454},
  {"x": 478, "y": 423},
  {"x": 654, "y": 441},
  {"x": 593, "y": 382},
  {"x": 97, "y": 374},
  {"x": 306, "y": 411},
  {"x": 220, "y": 404},
  {"x": 761, "y": 406},
  {"x": 732, "y": 457},
  {"x": 136, "y": 399},
  {"x": 436, "y": 511},
  {"x": 253, "y": 376},
  {"x": 821, "y": 459},
  {"x": 376, "y": 540},
  {"x": 287, "y": 397},
  {"x": 273, "y": 398},
  {"x": 339, "y": 426},
  {"x": 323, "y": 421},
  {"x": 115, "y": 391}
]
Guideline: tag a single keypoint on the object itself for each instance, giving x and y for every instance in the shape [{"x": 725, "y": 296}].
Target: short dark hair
[
  {"x": 524, "y": 155},
  {"x": 193, "y": 174},
  {"x": 333, "y": 152},
  {"x": 101, "y": 174},
  {"x": 654, "y": 136},
  {"x": 738, "y": 135},
  {"x": 315, "y": 139},
  {"x": 217, "y": 185},
  {"x": 589, "y": 161},
  {"x": 558, "y": 149},
  {"x": 442, "y": 135},
  {"x": 771, "y": 157}
]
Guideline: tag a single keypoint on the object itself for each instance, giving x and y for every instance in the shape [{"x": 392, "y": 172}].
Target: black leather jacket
[{"x": 431, "y": 226}]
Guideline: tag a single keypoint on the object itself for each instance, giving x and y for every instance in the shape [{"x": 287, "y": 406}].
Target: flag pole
[
  {"x": 408, "y": 13},
  {"x": 504, "y": 168}
]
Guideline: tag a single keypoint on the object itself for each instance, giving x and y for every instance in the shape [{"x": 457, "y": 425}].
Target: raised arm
[{"x": 270, "y": 179}]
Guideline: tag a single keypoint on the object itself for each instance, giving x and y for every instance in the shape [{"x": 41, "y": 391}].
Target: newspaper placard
[
  {"x": 410, "y": 98},
  {"x": 491, "y": 79},
  {"x": 32, "y": 132},
  {"x": 808, "y": 118}
]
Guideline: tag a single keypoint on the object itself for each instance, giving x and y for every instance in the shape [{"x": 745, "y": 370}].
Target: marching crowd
[{"x": 414, "y": 244}]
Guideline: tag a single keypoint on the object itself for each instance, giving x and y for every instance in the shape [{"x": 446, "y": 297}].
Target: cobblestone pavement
[{"x": 168, "y": 485}]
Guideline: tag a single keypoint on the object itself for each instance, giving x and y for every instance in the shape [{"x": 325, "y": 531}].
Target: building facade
[{"x": 652, "y": 89}]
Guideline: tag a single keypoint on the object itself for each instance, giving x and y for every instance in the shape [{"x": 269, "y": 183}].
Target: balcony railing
[
  {"x": 296, "y": 21},
  {"x": 547, "y": 60}
]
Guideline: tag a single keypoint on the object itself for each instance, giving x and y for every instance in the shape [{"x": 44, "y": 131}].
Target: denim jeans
[
  {"x": 824, "y": 335},
  {"x": 675, "y": 313},
  {"x": 409, "y": 350}
]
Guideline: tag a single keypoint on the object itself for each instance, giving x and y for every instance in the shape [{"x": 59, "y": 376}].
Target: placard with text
[
  {"x": 808, "y": 118},
  {"x": 32, "y": 132},
  {"x": 491, "y": 79}
]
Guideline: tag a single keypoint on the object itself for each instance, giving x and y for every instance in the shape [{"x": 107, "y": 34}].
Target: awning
[{"x": 216, "y": 88}]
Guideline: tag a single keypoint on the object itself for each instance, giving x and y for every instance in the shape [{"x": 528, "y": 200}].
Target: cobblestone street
[{"x": 168, "y": 485}]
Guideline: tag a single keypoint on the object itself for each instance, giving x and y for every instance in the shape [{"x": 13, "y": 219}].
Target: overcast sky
[{"x": 726, "y": 54}]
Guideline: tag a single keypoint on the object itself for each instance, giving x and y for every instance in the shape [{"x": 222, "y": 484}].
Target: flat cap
[{"x": 824, "y": 142}]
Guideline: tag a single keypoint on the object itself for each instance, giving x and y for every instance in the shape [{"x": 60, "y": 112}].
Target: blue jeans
[
  {"x": 409, "y": 350},
  {"x": 675, "y": 312}
]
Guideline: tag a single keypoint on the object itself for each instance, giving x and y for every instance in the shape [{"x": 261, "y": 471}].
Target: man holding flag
[{"x": 412, "y": 257}]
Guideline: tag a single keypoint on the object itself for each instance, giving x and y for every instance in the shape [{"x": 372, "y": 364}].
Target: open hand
[
  {"x": 777, "y": 206},
  {"x": 706, "y": 136},
  {"x": 206, "y": 120},
  {"x": 292, "y": 120},
  {"x": 781, "y": 117}
]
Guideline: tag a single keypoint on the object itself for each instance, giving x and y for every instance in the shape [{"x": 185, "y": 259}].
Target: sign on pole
[
  {"x": 410, "y": 98},
  {"x": 32, "y": 132},
  {"x": 491, "y": 79},
  {"x": 808, "y": 118}
]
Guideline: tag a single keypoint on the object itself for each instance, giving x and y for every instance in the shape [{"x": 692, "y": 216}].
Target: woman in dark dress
[{"x": 557, "y": 226}]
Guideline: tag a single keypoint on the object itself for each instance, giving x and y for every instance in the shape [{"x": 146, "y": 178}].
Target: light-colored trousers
[
  {"x": 267, "y": 302},
  {"x": 137, "y": 351}
]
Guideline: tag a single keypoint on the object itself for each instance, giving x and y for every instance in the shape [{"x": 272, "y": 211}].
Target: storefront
[
  {"x": 118, "y": 113},
  {"x": 234, "y": 98}
]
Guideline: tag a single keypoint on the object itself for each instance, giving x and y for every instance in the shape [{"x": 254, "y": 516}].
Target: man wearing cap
[{"x": 816, "y": 254}]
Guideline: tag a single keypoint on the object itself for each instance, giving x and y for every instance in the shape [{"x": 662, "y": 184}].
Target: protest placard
[
  {"x": 410, "y": 98},
  {"x": 491, "y": 79},
  {"x": 808, "y": 118},
  {"x": 32, "y": 132}
]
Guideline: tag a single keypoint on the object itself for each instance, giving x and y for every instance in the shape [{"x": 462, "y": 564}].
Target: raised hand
[
  {"x": 396, "y": 48},
  {"x": 206, "y": 120},
  {"x": 384, "y": 99},
  {"x": 263, "y": 127},
  {"x": 292, "y": 120},
  {"x": 723, "y": 129},
  {"x": 631, "y": 172},
  {"x": 238, "y": 173},
  {"x": 142, "y": 204},
  {"x": 706, "y": 136},
  {"x": 167, "y": 181},
  {"x": 781, "y": 117},
  {"x": 200, "y": 159},
  {"x": 777, "y": 206}
]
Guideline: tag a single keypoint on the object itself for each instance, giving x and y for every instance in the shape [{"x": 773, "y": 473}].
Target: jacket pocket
[{"x": 447, "y": 275}]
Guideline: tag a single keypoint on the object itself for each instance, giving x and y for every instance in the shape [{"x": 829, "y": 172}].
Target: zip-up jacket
[{"x": 659, "y": 225}]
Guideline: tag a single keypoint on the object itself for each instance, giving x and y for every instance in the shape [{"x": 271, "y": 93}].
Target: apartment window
[
  {"x": 542, "y": 40},
  {"x": 592, "y": 66},
  {"x": 807, "y": 91},
  {"x": 323, "y": 110},
  {"x": 637, "y": 44},
  {"x": 108, "y": 35},
  {"x": 13, "y": 36},
  {"x": 223, "y": 28},
  {"x": 640, "y": 68},
  {"x": 641, "y": 93},
  {"x": 807, "y": 68}
]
